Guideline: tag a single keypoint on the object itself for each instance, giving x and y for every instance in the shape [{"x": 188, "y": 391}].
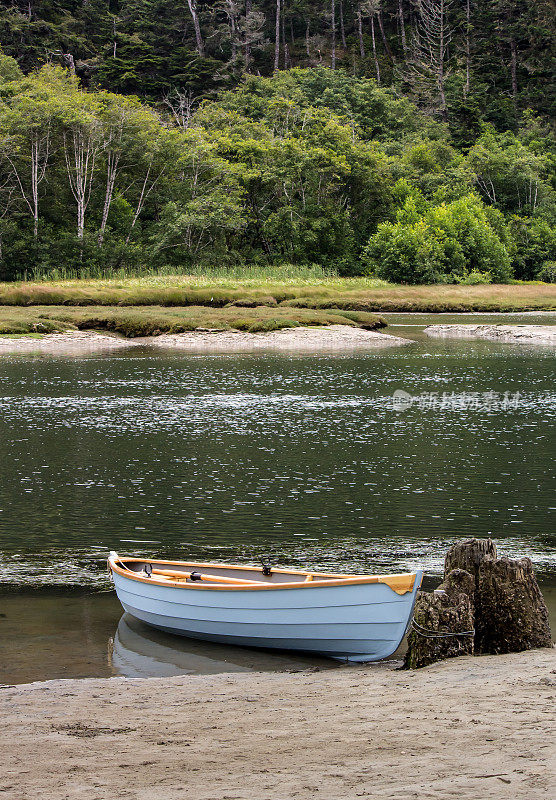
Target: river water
[{"x": 306, "y": 460}]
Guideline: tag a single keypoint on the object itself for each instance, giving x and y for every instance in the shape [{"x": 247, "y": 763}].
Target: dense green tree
[
  {"x": 310, "y": 165},
  {"x": 508, "y": 173},
  {"x": 463, "y": 60},
  {"x": 9, "y": 69}
]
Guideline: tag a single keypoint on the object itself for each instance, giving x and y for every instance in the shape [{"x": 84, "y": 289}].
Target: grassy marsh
[
  {"x": 318, "y": 293},
  {"x": 154, "y": 320}
]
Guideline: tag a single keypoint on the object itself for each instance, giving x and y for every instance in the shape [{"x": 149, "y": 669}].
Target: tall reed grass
[{"x": 204, "y": 273}]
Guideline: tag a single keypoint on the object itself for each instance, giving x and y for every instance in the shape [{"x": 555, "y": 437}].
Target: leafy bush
[
  {"x": 450, "y": 242},
  {"x": 474, "y": 278},
  {"x": 404, "y": 253}
]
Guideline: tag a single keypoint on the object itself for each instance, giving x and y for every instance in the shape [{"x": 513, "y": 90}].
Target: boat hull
[{"x": 360, "y": 622}]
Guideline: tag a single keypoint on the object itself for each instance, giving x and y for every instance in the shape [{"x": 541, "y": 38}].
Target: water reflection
[
  {"x": 45, "y": 635},
  {"x": 142, "y": 652}
]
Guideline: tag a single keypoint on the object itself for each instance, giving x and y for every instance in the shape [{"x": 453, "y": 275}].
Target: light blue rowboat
[{"x": 350, "y": 617}]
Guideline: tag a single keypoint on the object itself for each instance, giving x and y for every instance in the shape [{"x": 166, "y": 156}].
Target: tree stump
[
  {"x": 498, "y": 597},
  {"x": 447, "y": 610},
  {"x": 511, "y": 614},
  {"x": 469, "y": 554}
]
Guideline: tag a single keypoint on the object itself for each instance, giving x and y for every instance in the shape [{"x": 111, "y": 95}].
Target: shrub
[
  {"x": 404, "y": 253},
  {"x": 447, "y": 243},
  {"x": 474, "y": 278}
]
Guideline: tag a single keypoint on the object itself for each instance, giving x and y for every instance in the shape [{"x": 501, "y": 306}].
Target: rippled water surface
[{"x": 303, "y": 459}]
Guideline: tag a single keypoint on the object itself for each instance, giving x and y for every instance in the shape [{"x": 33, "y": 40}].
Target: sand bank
[
  {"x": 332, "y": 337},
  {"x": 527, "y": 334},
  {"x": 468, "y": 728},
  {"x": 325, "y": 339},
  {"x": 68, "y": 343}
]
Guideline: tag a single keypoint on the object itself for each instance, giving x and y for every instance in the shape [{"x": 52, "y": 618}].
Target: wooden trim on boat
[
  {"x": 184, "y": 575},
  {"x": 401, "y": 584}
]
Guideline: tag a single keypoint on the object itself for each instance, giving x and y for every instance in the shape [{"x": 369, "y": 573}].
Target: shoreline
[
  {"x": 468, "y": 727},
  {"x": 299, "y": 339}
]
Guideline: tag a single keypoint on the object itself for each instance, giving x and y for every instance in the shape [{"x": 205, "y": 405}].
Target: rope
[{"x": 438, "y": 634}]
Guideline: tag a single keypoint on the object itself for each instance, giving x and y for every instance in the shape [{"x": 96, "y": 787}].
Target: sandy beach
[
  {"x": 467, "y": 728},
  {"x": 300, "y": 339},
  {"x": 524, "y": 334}
]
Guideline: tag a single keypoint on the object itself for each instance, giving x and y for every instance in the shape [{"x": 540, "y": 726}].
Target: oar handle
[{"x": 170, "y": 573}]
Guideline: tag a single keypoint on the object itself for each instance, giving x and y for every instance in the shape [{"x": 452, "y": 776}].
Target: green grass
[
  {"x": 154, "y": 320},
  {"x": 347, "y": 294}
]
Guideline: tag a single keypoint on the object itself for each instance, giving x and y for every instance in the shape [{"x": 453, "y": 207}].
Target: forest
[{"x": 408, "y": 141}]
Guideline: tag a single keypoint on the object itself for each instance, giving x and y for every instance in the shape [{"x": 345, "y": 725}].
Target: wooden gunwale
[{"x": 328, "y": 579}]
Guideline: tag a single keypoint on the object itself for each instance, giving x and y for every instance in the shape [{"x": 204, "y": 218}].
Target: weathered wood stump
[
  {"x": 469, "y": 554},
  {"x": 438, "y": 616},
  {"x": 511, "y": 614},
  {"x": 498, "y": 597}
]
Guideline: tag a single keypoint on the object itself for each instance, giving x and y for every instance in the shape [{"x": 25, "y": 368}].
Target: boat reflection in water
[{"x": 139, "y": 651}]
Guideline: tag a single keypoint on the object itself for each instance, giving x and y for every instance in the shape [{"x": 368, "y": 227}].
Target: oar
[{"x": 169, "y": 573}]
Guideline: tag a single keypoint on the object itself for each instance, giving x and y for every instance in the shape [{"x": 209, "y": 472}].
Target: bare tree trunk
[
  {"x": 198, "y": 37},
  {"x": 441, "y": 77},
  {"x": 35, "y": 184},
  {"x": 233, "y": 37},
  {"x": 342, "y": 28},
  {"x": 283, "y": 34},
  {"x": 402, "y": 26},
  {"x": 373, "y": 40},
  {"x": 277, "y": 38},
  {"x": 333, "y": 27},
  {"x": 80, "y": 157},
  {"x": 140, "y": 203},
  {"x": 360, "y": 33},
  {"x": 430, "y": 50},
  {"x": 40, "y": 154},
  {"x": 513, "y": 49},
  {"x": 247, "y": 42},
  {"x": 307, "y": 40},
  {"x": 111, "y": 173},
  {"x": 384, "y": 39},
  {"x": 467, "y": 48},
  {"x": 146, "y": 189},
  {"x": 181, "y": 105}
]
